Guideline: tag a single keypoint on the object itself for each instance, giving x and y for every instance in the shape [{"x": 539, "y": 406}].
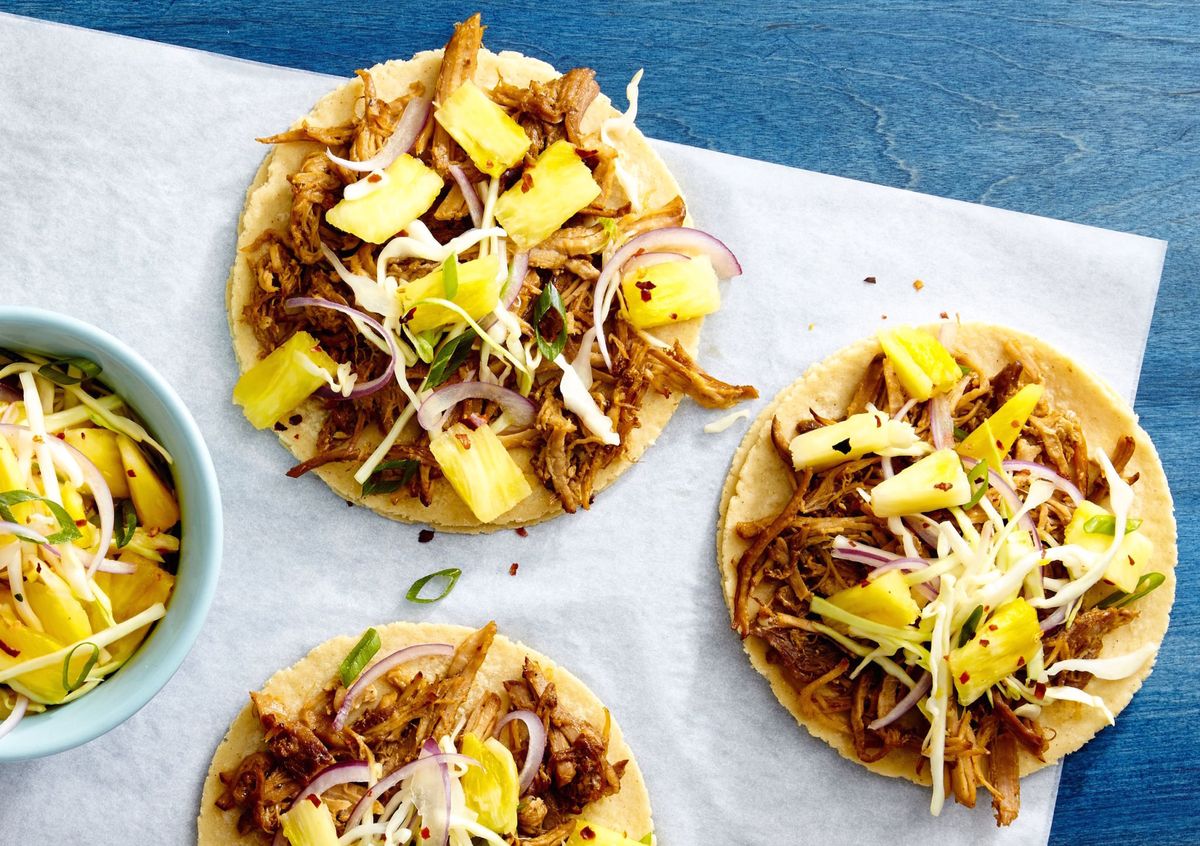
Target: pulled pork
[
  {"x": 396, "y": 718},
  {"x": 789, "y": 559},
  {"x": 291, "y": 263}
]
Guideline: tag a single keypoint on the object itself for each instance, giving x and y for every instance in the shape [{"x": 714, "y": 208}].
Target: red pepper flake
[
  {"x": 375, "y": 177},
  {"x": 645, "y": 286},
  {"x": 918, "y": 284},
  {"x": 1020, "y": 660},
  {"x": 81, "y": 522},
  {"x": 295, "y": 420},
  {"x": 82, "y": 435},
  {"x": 984, "y": 641},
  {"x": 425, "y": 535},
  {"x": 944, "y": 316},
  {"x": 870, "y": 280},
  {"x": 526, "y": 182},
  {"x": 999, "y": 444},
  {"x": 512, "y": 568},
  {"x": 964, "y": 678},
  {"x": 131, "y": 474},
  {"x": 8, "y": 650},
  {"x": 992, "y": 627},
  {"x": 586, "y": 833},
  {"x": 521, "y": 531},
  {"x": 279, "y": 427},
  {"x": 312, "y": 797},
  {"x": 425, "y": 833},
  {"x": 883, "y": 317},
  {"x": 1130, "y": 560},
  {"x": 61, "y": 436},
  {"x": 943, "y": 486},
  {"x": 463, "y": 439},
  {"x": 674, "y": 316},
  {"x": 408, "y": 315},
  {"x": 1039, "y": 691},
  {"x": 864, "y": 583}
]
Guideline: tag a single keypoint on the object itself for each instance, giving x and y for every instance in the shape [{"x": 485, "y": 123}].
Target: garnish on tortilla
[
  {"x": 955, "y": 609},
  {"x": 471, "y": 240}
]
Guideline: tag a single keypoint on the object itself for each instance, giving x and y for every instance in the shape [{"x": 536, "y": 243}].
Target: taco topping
[
  {"x": 393, "y": 755},
  {"x": 89, "y": 533},
  {"x": 480, "y": 245},
  {"x": 947, "y": 565}
]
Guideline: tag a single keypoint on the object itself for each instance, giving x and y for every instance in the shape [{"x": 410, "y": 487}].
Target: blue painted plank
[{"x": 1081, "y": 111}]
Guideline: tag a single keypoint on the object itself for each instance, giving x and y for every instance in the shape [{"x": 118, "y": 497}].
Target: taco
[
  {"x": 422, "y": 264},
  {"x": 952, "y": 559},
  {"x": 452, "y": 734}
]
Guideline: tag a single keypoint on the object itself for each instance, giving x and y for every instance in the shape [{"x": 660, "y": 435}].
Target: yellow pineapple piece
[
  {"x": 994, "y": 437},
  {"x": 480, "y": 470},
  {"x": 20, "y": 643},
  {"x": 132, "y": 594},
  {"x": 405, "y": 193},
  {"x": 156, "y": 506},
  {"x": 479, "y": 284},
  {"x": 936, "y": 481},
  {"x": 1132, "y": 557},
  {"x": 556, "y": 187},
  {"x": 671, "y": 292},
  {"x": 281, "y": 381},
  {"x": 854, "y": 437},
  {"x": 1003, "y": 644},
  {"x": 494, "y": 141},
  {"x": 100, "y": 447},
  {"x": 492, "y": 790},
  {"x": 922, "y": 364},
  {"x": 62, "y": 615},
  {"x": 886, "y": 600},
  {"x": 589, "y": 834},
  {"x": 306, "y": 824}
]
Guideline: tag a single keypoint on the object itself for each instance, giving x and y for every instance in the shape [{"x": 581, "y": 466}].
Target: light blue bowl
[{"x": 166, "y": 417}]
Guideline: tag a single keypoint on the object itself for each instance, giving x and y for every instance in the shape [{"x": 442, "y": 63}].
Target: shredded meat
[
  {"x": 458, "y": 66},
  {"x": 674, "y": 370},
  {"x": 1005, "y": 778}
]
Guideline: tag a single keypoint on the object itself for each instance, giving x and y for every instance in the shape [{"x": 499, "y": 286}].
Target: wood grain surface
[{"x": 1085, "y": 111}]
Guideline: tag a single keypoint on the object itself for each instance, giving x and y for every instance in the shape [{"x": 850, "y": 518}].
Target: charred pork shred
[
  {"x": 944, "y": 670},
  {"x": 544, "y": 311}
]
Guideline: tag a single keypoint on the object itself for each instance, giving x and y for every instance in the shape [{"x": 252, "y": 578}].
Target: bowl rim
[{"x": 206, "y": 528}]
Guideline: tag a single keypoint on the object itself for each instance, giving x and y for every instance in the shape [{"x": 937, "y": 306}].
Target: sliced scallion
[
  {"x": 1145, "y": 584},
  {"x": 126, "y": 523},
  {"x": 357, "y": 658},
  {"x": 69, "y": 684},
  {"x": 59, "y": 371},
  {"x": 385, "y": 480},
  {"x": 978, "y": 479},
  {"x": 968, "y": 630},
  {"x": 549, "y": 300},
  {"x": 450, "y": 575},
  {"x": 1106, "y": 524},
  {"x": 68, "y": 531},
  {"x": 448, "y": 359},
  {"x": 450, "y": 275}
]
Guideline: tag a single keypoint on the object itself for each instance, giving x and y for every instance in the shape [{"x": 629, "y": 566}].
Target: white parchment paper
[{"x": 122, "y": 171}]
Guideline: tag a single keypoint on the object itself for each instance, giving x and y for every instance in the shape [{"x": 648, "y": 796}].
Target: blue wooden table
[{"x": 1088, "y": 112}]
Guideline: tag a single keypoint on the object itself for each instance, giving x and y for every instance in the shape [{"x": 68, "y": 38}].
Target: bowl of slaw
[{"x": 127, "y": 374}]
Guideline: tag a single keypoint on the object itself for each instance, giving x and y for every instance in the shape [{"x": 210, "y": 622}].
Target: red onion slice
[
  {"x": 537, "y": 743},
  {"x": 1041, "y": 471},
  {"x": 861, "y": 553},
  {"x": 474, "y": 204},
  {"x": 669, "y": 238},
  {"x": 333, "y": 775},
  {"x": 412, "y": 121},
  {"x": 433, "y": 410},
  {"x": 23, "y": 532},
  {"x": 904, "y": 409},
  {"x": 117, "y": 568},
  {"x": 925, "y": 528},
  {"x": 366, "y": 388},
  {"x": 904, "y": 705},
  {"x": 516, "y": 279},
  {"x": 437, "y": 833},
  {"x": 368, "y": 677},
  {"x": 17, "y": 714},
  {"x": 941, "y": 427},
  {"x": 905, "y": 564},
  {"x": 651, "y": 259},
  {"x": 1056, "y": 619},
  {"x": 101, "y": 495},
  {"x": 396, "y": 776}
]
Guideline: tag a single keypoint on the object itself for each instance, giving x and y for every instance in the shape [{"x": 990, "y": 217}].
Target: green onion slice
[
  {"x": 68, "y": 685},
  {"x": 59, "y": 371},
  {"x": 450, "y": 574},
  {"x": 126, "y": 523},
  {"x": 68, "y": 531},
  {"x": 968, "y": 630},
  {"x": 549, "y": 300},
  {"x": 960, "y": 434},
  {"x": 450, "y": 275},
  {"x": 1106, "y": 524},
  {"x": 377, "y": 483},
  {"x": 356, "y": 659},
  {"x": 978, "y": 479},
  {"x": 449, "y": 358},
  {"x": 609, "y": 225},
  {"x": 1145, "y": 584}
]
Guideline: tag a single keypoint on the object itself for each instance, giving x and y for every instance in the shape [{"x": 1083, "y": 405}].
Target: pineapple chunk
[
  {"x": 923, "y": 366},
  {"x": 480, "y": 470},
  {"x": 672, "y": 291},
  {"x": 132, "y": 594},
  {"x": 61, "y": 613},
  {"x": 1001, "y": 646},
  {"x": 282, "y": 380},
  {"x": 100, "y": 447},
  {"x": 407, "y": 193},
  {"x": 589, "y": 834},
  {"x": 555, "y": 188},
  {"x": 479, "y": 284},
  {"x": 492, "y": 790},
  {"x": 936, "y": 481},
  {"x": 1131, "y": 559},
  {"x": 885, "y": 600},
  {"x": 20, "y": 643},
  {"x": 307, "y": 824},
  {"x": 11, "y": 479},
  {"x": 494, "y": 141},
  {"x": 994, "y": 437},
  {"x": 854, "y": 437},
  {"x": 157, "y": 509}
]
